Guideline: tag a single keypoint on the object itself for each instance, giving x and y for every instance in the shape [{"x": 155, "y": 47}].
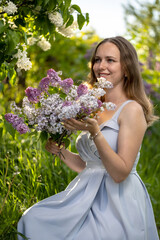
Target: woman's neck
[{"x": 115, "y": 96}]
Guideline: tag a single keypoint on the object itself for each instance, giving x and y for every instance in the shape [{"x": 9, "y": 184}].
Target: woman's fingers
[
  {"x": 87, "y": 124},
  {"x": 52, "y": 147}
]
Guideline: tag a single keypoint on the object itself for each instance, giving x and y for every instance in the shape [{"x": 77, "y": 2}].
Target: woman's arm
[
  {"x": 132, "y": 128},
  {"x": 72, "y": 160}
]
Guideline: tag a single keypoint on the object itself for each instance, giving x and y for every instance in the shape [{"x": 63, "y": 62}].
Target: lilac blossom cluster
[
  {"x": 54, "y": 100},
  {"x": 17, "y": 123}
]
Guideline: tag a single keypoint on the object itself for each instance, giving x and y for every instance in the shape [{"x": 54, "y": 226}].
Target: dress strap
[{"x": 116, "y": 115}]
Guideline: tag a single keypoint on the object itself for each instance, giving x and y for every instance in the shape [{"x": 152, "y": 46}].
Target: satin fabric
[{"x": 93, "y": 206}]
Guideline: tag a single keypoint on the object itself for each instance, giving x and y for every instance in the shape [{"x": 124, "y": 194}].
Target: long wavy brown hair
[{"x": 133, "y": 83}]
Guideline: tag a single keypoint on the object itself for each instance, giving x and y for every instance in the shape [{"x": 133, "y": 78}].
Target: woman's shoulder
[
  {"x": 132, "y": 112},
  {"x": 132, "y": 106}
]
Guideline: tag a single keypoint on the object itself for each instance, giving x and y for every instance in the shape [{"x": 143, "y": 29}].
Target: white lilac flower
[
  {"x": 52, "y": 104},
  {"x": 59, "y": 72},
  {"x": 15, "y": 109},
  {"x": 103, "y": 83},
  {"x": 72, "y": 93},
  {"x": 51, "y": 129},
  {"x": 10, "y": 8},
  {"x": 31, "y": 41},
  {"x": 60, "y": 128},
  {"x": 42, "y": 123},
  {"x": 109, "y": 105},
  {"x": 29, "y": 111},
  {"x": 54, "y": 128},
  {"x": 88, "y": 101},
  {"x": 101, "y": 109},
  {"x": 56, "y": 18},
  {"x": 12, "y": 24},
  {"x": 53, "y": 119},
  {"x": 69, "y": 111},
  {"x": 23, "y": 61},
  {"x": 44, "y": 44},
  {"x": 19, "y": 53},
  {"x": 58, "y": 109},
  {"x": 30, "y": 114},
  {"x": 97, "y": 92},
  {"x": 69, "y": 31}
]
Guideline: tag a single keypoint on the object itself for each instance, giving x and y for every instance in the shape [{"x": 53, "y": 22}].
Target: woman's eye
[
  {"x": 110, "y": 60},
  {"x": 97, "y": 60}
]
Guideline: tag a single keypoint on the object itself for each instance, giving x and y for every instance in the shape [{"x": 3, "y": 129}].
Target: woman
[{"x": 107, "y": 200}]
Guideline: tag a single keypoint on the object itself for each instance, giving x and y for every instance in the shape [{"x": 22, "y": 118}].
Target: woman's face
[{"x": 107, "y": 63}]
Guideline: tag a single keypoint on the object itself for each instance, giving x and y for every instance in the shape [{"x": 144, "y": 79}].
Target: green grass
[{"x": 28, "y": 175}]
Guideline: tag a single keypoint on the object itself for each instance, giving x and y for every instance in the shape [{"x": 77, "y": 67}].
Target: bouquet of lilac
[{"x": 44, "y": 108}]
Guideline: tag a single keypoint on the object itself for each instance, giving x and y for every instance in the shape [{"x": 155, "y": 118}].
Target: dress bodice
[
  {"x": 94, "y": 206},
  {"x": 110, "y": 129}
]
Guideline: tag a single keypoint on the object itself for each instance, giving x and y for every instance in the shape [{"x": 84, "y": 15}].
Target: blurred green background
[{"x": 27, "y": 172}]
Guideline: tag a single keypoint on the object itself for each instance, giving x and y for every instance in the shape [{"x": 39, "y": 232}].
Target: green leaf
[
  {"x": 13, "y": 38},
  {"x": 51, "y": 5},
  {"x": 24, "y": 34},
  {"x": 43, "y": 136},
  {"x": 87, "y": 18},
  {"x": 67, "y": 142},
  {"x": 81, "y": 20},
  {"x": 77, "y": 8},
  {"x": 70, "y": 21},
  {"x": 53, "y": 90},
  {"x": 62, "y": 94},
  {"x": 2, "y": 26},
  {"x": 1, "y": 132},
  {"x": 3, "y": 72},
  {"x": 39, "y": 2},
  {"x": 67, "y": 4},
  {"x": 9, "y": 128},
  {"x": 45, "y": 2},
  {"x": 59, "y": 1},
  {"x": 65, "y": 13},
  {"x": 12, "y": 76},
  {"x": 55, "y": 137}
]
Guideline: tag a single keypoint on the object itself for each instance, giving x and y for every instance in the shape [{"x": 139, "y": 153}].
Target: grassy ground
[{"x": 28, "y": 175}]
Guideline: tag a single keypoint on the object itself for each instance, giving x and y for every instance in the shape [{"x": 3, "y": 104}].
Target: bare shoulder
[{"x": 132, "y": 113}]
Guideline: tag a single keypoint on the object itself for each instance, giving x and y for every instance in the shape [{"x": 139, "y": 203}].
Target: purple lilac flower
[
  {"x": 44, "y": 84},
  {"x": 22, "y": 128},
  {"x": 85, "y": 110},
  {"x": 99, "y": 103},
  {"x": 13, "y": 119},
  {"x": 53, "y": 76},
  {"x": 16, "y": 122},
  {"x": 66, "y": 104},
  {"x": 33, "y": 94},
  {"x": 82, "y": 90},
  {"x": 66, "y": 84}
]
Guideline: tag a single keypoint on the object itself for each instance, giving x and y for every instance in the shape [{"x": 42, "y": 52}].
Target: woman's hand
[
  {"x": 53, "y": 147},
  {"x": 89, "y": 124},
  {"x": 72, "y": 160}
]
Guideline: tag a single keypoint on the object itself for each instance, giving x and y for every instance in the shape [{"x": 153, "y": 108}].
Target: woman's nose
[{"x": 102, "y": 65}]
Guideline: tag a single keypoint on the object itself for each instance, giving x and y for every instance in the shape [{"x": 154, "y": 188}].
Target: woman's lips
[{"x": 104, "y": 75}]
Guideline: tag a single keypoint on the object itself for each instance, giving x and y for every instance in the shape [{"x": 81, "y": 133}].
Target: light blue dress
[{"x": 93, "y": 206}]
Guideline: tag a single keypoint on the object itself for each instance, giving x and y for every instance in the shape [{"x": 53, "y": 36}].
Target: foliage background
[{"x": 27, "y": 171}]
